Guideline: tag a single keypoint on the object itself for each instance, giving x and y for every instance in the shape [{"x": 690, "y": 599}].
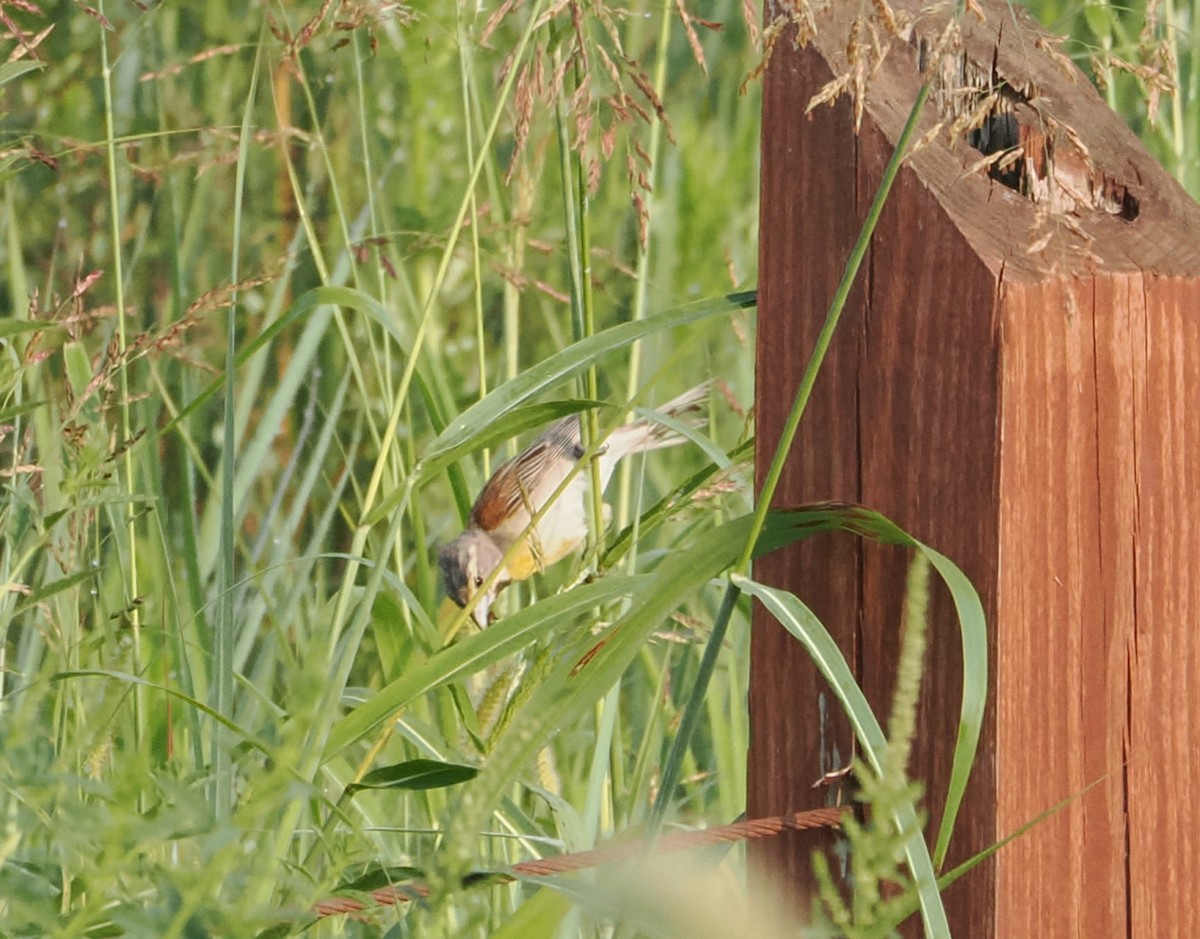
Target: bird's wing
[{"x": 520, "y": 486}]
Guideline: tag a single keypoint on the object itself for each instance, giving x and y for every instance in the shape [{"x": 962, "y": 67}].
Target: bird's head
[{"x": 468, "y": 561}]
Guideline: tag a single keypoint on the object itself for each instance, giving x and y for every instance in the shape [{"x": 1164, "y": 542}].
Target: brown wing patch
[
  {"x": 522, "y": 479},
  {"x": 499, "y": 499}
]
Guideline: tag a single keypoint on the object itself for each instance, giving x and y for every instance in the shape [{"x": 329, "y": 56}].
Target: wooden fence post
[{"x": 1016, "y": 381}]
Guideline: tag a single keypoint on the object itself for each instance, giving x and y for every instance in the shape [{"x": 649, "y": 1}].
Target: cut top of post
[{"x": 1015, "y": 142}]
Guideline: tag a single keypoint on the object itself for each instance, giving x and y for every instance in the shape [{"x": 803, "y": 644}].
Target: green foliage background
[{"x": 185, "y": 633}]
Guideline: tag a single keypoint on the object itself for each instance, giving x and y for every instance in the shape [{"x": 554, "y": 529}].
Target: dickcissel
[{"x": 520, "y": 488}]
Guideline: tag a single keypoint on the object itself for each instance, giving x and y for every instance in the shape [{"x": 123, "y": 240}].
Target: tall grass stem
[
  {"x": 695, "y": 704},
  {"x": 133, "y": 599}
]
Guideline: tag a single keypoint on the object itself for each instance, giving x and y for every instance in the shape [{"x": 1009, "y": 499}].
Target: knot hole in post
[{"x": 1025, "y": 148}]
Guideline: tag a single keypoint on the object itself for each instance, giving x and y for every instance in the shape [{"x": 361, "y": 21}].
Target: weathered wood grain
[
  {"x": 796, "y": 731},
  {"x": 1035, "y": 415}
]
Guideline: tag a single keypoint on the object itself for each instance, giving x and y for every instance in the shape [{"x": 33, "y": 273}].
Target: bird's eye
[{"x": 478, "y": 581}]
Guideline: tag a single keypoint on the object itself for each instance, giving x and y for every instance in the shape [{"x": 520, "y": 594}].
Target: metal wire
[{"x": 580, "y": 860}]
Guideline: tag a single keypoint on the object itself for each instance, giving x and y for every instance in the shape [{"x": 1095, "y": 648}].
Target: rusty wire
[{"x": 580, "y": 860}]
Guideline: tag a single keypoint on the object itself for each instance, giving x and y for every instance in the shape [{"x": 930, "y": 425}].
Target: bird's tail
[{"x": 648, "y": 433}]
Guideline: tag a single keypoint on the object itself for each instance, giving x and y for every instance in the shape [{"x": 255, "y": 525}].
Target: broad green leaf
[
  {"x": 505, "y": 427},
  {"x": 866, "y": 523},
  {"x": 537, "y": 918},
  {"x": 800, "y": 621},
  {"x": 78, "y": 366},
  {"x": 63, "y": 583},
  {"x": 472, "y": 654},
  {"x": 7, "y": 414},
  {"x": 416, "y": 774},
  {"x": 588, "y": 668},
  {"x": 14, "y": 327},
  {"x": 378, "y": 877},
  {"x": 1100, "y": 18},
  {"x": 563, "y": 365},
  {"x": 13, "y": 70},
  {"x": 973, "y": 630}
]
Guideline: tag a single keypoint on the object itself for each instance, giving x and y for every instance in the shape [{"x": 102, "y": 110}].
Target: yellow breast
[{"x": 533, "y": 555}]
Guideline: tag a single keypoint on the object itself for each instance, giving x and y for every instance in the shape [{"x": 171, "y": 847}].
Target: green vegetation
[
  {"x": 1145, "y": 58},
  {"x": 409, "y": 235}
]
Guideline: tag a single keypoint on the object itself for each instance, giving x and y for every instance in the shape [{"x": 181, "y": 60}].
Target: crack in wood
[{"x": 1026, "y": 149}]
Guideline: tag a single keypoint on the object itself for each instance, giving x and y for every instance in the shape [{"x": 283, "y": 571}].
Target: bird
[{"x": 520, "y": 488}]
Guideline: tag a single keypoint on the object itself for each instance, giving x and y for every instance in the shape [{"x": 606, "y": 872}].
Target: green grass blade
[
  {"x": 226, "y": 633},
  {"x": 13, "y": 70},
  {"x": 473, "y": 654},
  {"x": 568, "y": 363},
  {"x": 134, "y": 681},
  {"x": 800, "y": 621},
  {"x": 972, "y": 629},
  {"x": 521, "y": 418},
  {"x": 658, "y": 513},
  {"x": 415, "y": 774},
  {"x": 309, "y": 301},
  {"x": 950, "y": 876},
  {"x": 538, "y": 917},
  {"x": 585, "y": 672}
]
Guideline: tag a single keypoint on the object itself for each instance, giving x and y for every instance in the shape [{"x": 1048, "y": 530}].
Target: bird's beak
[{"x": 480, "y": 613}]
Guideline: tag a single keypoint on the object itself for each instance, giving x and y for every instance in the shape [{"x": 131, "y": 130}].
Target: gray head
[{"x": 466, "y": 562}]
